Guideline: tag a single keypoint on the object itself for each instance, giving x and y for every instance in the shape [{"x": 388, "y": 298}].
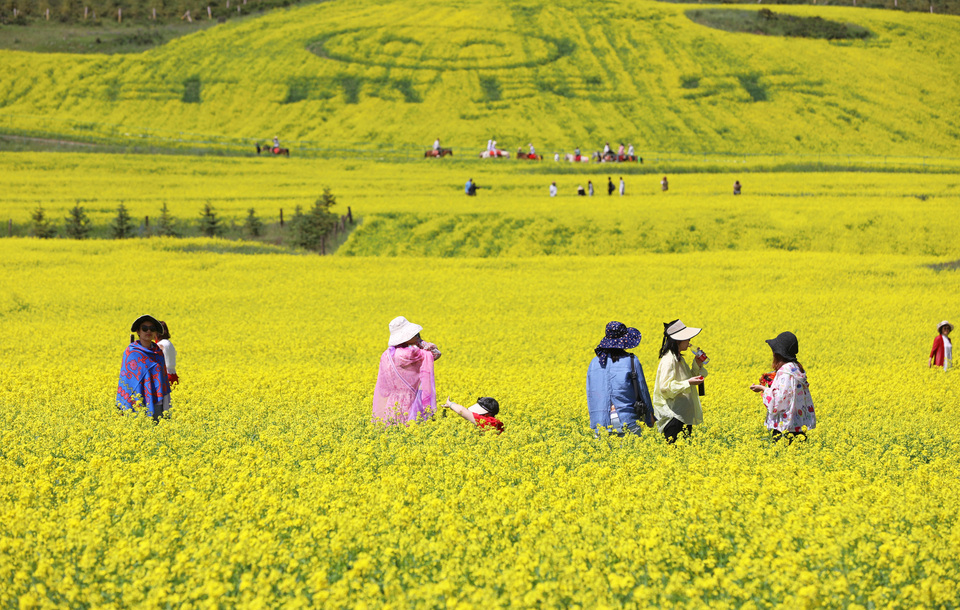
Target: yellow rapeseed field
[{"x": 270, "y": 487}]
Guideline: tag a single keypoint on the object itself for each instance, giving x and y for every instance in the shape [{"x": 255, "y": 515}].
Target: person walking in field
[
  {"x": 942, "y": 352},
  {"x": 590, "y": 187},
  {"x": 169, "y": 354},
  {"x": 736, "y": 187},
  {"x": 664, "y": 185},
  {"x": 143, "y": 372},
  {"x": 553, "y": 189},
  {"x": 610, "y": 187},
  {"x": 623, "y": 187},
  {"x": 406, "y": 388},
  {"x": 483, "y": 413},
  {"x": 617, "y": 395},
  {"x": 787, "y": 397},
  {"x": 676, "y": 402}
]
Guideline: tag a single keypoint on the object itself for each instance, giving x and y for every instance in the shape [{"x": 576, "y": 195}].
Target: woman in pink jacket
[
  {"x": 406, "y": 389},
  {"x": 942, "y": 352},
  {"x": 789, "y": 405}
]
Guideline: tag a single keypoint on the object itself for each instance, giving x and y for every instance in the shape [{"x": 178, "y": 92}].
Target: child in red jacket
[{"x": 483, "y": 413}]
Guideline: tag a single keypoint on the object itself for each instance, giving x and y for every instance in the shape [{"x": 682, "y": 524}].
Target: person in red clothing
[
  {"x": 942, "y": 352},
  {"x": 483, "y": 413}
]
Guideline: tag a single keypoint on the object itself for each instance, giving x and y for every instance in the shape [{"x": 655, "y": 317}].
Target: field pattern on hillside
[{"x": 341, "y": 75}]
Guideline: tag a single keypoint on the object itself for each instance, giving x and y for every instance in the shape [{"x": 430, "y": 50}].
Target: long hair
[
  {"x": 669, "y": 345},
  {"x": 779, "y": 361},
  {"x": 164, "y": 331}
]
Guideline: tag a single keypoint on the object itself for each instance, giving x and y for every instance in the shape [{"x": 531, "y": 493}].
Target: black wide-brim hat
[
  {"x": 146, "y": 318},
  {"x": 785, "y": 345},
  {"x": 620, "y": 336}
]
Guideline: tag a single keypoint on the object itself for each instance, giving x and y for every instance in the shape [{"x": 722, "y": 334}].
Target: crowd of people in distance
[
  {"x": 619, "y": 401},
  {"x": 622, "y": 189}
]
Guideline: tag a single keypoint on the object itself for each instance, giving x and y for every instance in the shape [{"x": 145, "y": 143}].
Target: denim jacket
[{"x": 610, "y": 385}]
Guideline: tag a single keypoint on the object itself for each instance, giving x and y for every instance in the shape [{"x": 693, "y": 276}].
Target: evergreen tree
[
  {"x": 42, "y": 227},
  {"x": 316, "y": 224},
  {"x": 122, "y": 227},
  {"x": 252, "y": 225},
  {"x": 210, "y": 222},
  {"x": 165, "y": 223},
  {"x": 77, "y": 224}
]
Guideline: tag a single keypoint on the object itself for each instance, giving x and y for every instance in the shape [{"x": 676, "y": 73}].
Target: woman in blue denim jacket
[{"x": 611, "y": 397}]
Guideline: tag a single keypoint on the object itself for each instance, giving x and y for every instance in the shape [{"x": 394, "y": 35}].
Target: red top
[
  {"x": 486, "y": 421},
  {"x": 937, "y": 352}
]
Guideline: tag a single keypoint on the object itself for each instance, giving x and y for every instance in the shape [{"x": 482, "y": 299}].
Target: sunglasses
[{"x": 148, "y": 328}]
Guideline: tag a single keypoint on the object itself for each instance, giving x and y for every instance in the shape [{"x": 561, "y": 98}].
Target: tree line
[
  {"x": 22, "y": 12},
  {"x": 310, "y": 229}
]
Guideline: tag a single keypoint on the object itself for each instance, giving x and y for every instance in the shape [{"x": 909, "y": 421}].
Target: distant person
[
  {"x": 789, "y": 404},
  {"x": 606, "y": 150},
  {"x": 143, "y": 373},
  {"x": 664, "y": 185},
  {"x": 471, "y": 188},
  {"x": 576, "y": 154},
  {"x": 617, "y": 395},
  {"x": 406, "y": 388},
  {"x": 736, "y": 187},
  {"x": 676, "y": 401},
  {"x": 533, "y": 152},
  {"x": 580, "y": 191},
  {"x": 489, "y": 145},
  {"x": 493, "y": 145},
  {"x": 276, "y": 142},
  {"x": 483, "y": 413},
  {"x": 436, "y": 145},
  {"x": 942, "y": 352},
  {"x": 610, "y": 187},
  {"x": 630, "y": 151},
  {"x": 620, "y": 151},
  {"x": 169, "y": 354},
  {"x": 556, "y": 157},
  {"x": 623, "y": 187},
  {"x": 590, "y": 187},
  {"x": 553, "y": 189}
]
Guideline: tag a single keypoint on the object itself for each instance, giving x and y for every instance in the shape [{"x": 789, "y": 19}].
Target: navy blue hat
[{"x": 619, "y": 336}]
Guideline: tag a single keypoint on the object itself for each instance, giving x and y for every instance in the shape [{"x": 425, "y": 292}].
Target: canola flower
[{"x": 269, "y": 486}]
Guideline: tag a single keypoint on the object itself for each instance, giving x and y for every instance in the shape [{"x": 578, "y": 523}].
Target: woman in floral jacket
[{"x": 789, "y": 404}]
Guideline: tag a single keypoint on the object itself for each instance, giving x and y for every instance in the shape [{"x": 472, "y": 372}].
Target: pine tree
[
  {"x": 165, "y": 223},
  {"x": 209, "y": 221},
  {"x": 77, "y": 224},
  {"x": 317, "y": 223},
  {"x": 252, "y": 225},
  {"x": 42, "y": 227},
  {"x": 122, "y": 227}
]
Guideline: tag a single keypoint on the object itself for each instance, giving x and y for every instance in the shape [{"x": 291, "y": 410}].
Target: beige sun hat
[
  {"x": 678, "y": 331},
  {"x": 944, "y": 323},
  {"x": 402, "y": 330}
]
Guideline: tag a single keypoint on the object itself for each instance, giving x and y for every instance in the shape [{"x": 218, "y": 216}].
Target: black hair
[
  {"x": 669, "y": 344},
  {"x": 614, "y": 353},
  {"x": 490, "y": 404},
  {"x": 164, "y": 331}
]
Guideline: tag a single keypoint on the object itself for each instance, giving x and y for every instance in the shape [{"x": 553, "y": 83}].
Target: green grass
[
  {"x": 769, "y": 23},
  {"x": 104, "y": 37}
]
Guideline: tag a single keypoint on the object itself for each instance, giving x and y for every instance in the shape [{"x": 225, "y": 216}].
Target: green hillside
[{"x": 345, "y": 76}]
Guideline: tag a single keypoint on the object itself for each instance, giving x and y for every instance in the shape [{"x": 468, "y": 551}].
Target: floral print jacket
[{"x": 788, "y": 401}]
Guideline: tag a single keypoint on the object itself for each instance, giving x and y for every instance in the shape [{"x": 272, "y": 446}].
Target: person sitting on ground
[
  {"x": 553, "y": 189},
  {"x": 736, "y": 187},
  {"x": 789, "y": 404},
  {"x": 483, "y": 413},
  {"x": 143, "y": 373},
  {"x": 471, "y": 188},
  {"x": 580, "y": 191}
]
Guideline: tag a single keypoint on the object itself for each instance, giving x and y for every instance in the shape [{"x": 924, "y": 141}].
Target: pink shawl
[{"x": 406, "y": 389}]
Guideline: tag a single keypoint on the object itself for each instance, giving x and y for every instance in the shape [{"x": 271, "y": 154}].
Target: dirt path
[{"x": 45, "y": 141}]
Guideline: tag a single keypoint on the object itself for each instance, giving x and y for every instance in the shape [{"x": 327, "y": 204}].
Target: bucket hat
[
  {"x": 486, "y": 406},
  {"x": 145, "y": 318},
  {"x": 678, "y": 331},
  {"x": 942, "y": 324},
  {"x": 785, "y": 345},
  {"x": 619, "y": 335},
  {"x": 402, "y": 330}
]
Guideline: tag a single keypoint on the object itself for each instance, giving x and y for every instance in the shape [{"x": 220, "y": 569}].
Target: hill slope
[{"x": 560, "y": 74}]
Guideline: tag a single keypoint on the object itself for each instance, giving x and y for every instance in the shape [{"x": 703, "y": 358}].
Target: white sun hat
[
  {"x": 402, "y": 330},
  {"x": 944, "y": 323},
  {"x": 678, "y": 331}
]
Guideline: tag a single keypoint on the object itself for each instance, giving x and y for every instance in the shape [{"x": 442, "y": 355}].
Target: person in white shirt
[
  {"x": 436, "y": 144},
  {"x": 532, "y": 151},
  {"x": 553, "y": 189},
  {"x": 942, "y": 352},
  {"x": 276, "y": 142},
  {"x": 590, "y": 187},
  {"x": 489, "y": 145},
  {"x": 630, "y": 150},
  {"x": 169, "y": 354},
  {"x": 623, "y": 186}
]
